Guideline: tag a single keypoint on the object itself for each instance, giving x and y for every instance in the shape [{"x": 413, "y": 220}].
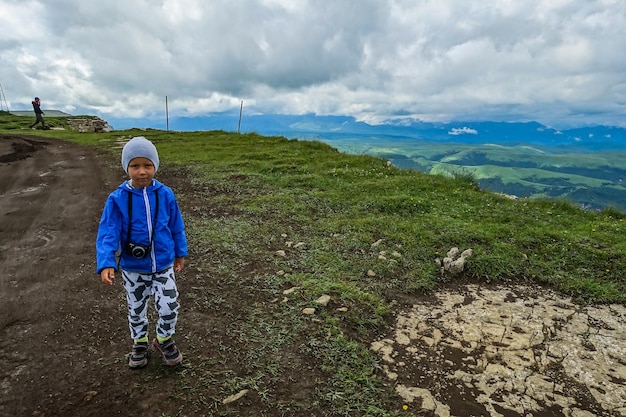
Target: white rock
[
  {"x": 290, "y": 290},
  {"x": 323, "y": 300}
]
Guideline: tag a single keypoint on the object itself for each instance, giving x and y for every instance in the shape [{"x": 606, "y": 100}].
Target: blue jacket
[{"x": 169, "y": 239}]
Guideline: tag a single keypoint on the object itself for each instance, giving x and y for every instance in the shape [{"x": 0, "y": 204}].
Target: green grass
[
  {"x": 20, "y": 124},
  {"x": 355, "y": 215},
  {"x": 590, "y": 179}
]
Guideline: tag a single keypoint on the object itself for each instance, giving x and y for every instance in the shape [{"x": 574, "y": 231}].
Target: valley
[{"x": 593, "y": 180}]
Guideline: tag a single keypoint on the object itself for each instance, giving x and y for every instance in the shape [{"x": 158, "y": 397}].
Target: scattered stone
[
  {"x": 385, "y": 349},
  {"x": 281, "y": 253},
  {"x": 90, "y": 394},
  {"x": 429, "y": 403},
  {"x": 290, "y": 290},
  {"x": 508, "y": 196},
  {"x": 323, "y": 300},
  {"x": 342, "y": 309},
  {"x": 299, "y": 245},
  {"x": 377, "y": 243},
  {"x": 371, "y": 273},
  {"x": 235, "y": 397},
  {"x": 453, "y": 262},
  {"x": 308, "y": 311}
]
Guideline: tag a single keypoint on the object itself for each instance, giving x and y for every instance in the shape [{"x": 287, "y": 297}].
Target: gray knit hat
[{"x": 139, "y": 147}]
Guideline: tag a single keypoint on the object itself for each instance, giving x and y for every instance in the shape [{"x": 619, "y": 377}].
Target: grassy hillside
[
  {"x": 269, "y": 214},
  {"x": 592, "y": 180},
  {"x": 20, "y": 124},
  {"x": 339, "y": 203}
]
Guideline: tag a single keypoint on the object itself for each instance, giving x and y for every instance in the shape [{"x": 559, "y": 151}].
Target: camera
[{"x": 137, "y": 251}]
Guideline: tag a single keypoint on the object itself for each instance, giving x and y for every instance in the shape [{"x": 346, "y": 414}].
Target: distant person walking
[{"x": 38, "y": 114}]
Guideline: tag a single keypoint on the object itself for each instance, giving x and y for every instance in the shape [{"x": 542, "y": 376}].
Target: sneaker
[
  {"x": 169, "y": 351},
  {"x": 138, "y": 358}
]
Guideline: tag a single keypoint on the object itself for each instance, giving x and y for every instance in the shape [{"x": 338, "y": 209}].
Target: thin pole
[
  {"x": 240, "y": 111},
  {"x": 167, "y": 116},
  {"x": 3, "y": 98}
]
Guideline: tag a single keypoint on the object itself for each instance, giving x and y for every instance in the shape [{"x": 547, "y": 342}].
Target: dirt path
[{"x": 50, "y": 196}]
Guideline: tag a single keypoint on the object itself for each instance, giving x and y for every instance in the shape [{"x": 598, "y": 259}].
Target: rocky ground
[{"x": 508, "y": 351}]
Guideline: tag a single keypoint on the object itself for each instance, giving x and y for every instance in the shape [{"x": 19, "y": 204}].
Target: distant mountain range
[{"x": 328, "y": 128}]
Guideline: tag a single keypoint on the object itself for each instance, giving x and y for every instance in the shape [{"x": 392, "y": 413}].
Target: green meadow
[{"x": 591, "y": 180}]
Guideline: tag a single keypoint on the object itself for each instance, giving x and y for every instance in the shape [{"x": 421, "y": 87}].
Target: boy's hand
[
  {"x": 107, "y": 276},
  {"x": 179, "y": 264}
]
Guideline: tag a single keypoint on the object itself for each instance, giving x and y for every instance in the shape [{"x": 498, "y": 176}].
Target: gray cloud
[{"x": 559, "y": 62}]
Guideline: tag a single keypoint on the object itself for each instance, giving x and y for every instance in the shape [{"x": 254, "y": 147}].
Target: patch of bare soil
[{"x": 468, "y": 351}]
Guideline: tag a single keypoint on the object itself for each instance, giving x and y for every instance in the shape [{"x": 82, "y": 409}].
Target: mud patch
[{"x": 16, "y": 149}]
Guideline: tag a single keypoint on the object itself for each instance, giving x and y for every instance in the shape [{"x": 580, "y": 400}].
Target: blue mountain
[{"x": 311, "y": 126}]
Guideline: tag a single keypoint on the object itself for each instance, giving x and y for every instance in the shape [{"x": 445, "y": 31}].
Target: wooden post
[
  {"x": 3, "y": 99},
  {"x": 240, "y": 111},
  {"x": 167, "y": 116}
]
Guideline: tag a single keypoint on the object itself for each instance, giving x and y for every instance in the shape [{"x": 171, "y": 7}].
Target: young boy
[{"x": 142, "y": 224}]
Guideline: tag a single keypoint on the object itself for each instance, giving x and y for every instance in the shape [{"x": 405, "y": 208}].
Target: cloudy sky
[{"x": 559, "y": 62}]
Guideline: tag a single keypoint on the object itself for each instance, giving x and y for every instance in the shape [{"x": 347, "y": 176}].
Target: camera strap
[{"x": 130, "y": 215}]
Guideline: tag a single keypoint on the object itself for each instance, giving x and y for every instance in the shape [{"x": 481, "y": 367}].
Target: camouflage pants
[{"x": 162, "y": 287}]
